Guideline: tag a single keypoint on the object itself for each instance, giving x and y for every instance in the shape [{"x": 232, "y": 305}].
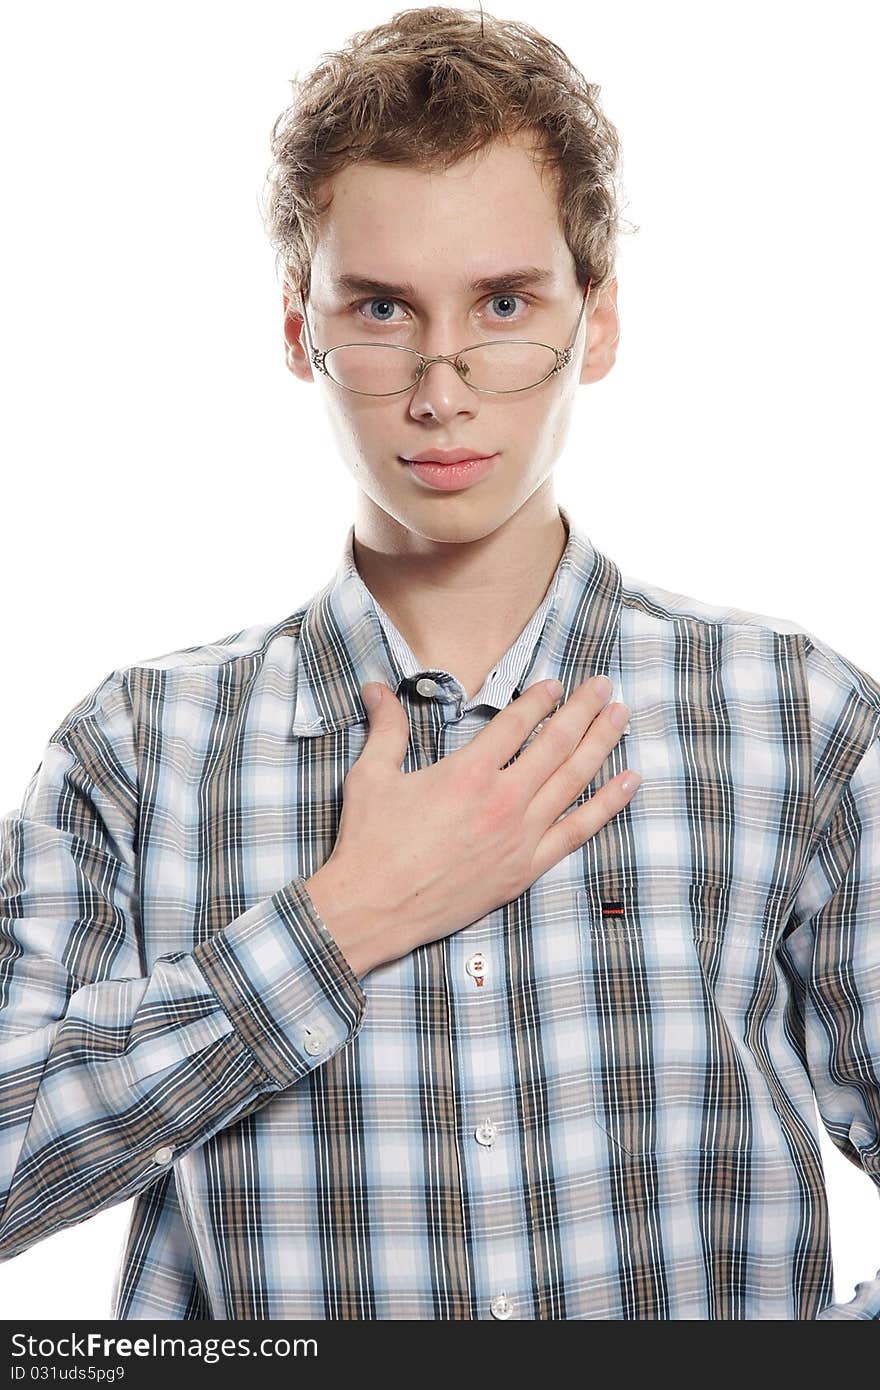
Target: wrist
[{"x": 352, "y": 924}]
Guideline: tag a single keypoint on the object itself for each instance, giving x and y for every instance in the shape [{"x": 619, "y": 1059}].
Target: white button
[
  {"x": 475, "y": 966},
  {"x": 163, "y": 1155},
  {"x": 426, "y": 686},
  {"x": 315, "y": 1042},
  {"x": 501, "y": 1306},
  {"x": 485, "y": 1133}
]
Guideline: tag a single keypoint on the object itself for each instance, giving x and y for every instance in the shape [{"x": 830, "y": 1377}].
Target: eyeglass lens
[{"x": 378, "y": 369}]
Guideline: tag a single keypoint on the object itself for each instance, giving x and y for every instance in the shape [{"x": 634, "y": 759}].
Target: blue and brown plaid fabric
[{"x": 599, "y": 1101}]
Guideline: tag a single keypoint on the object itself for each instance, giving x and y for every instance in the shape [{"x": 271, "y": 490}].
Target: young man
[{"x": 416, "y": 1009}]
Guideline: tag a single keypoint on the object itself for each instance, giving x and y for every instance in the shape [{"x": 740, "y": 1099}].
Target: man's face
[{"x": 438, "y": 232}]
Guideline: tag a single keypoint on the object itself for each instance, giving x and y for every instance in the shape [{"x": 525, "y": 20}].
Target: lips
[
  {"x": 451, "y": 474},
  {"x": 446, "y": 456}
]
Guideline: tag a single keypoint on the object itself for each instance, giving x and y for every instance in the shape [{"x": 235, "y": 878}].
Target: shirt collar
[
  {"x": 343, "y": 642},
  {"x": 498, "y": 687}
]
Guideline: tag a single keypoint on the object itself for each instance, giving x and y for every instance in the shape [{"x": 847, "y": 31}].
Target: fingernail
[
  {"x": 602, "y": 685},
  {"x": 371, "y": 695},
  {"x": 619, "y": 716},
  {"x": 631, "y": 781}
]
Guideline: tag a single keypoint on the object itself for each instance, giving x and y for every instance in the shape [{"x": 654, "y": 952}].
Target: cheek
[
  {"x": 358, "y": 431},
  {"x": 541, "y": 427},
  {"x": 559, "y": 419}
]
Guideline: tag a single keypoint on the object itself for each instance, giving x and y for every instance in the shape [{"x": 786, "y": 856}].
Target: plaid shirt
[{"x": 598, "y": 1101}]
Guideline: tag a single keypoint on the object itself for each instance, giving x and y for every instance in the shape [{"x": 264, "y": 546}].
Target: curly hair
[{"x": 427, "y": 88}]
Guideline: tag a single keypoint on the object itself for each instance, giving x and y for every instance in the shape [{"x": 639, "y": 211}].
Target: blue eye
[
  {"x": 504, "y": 299},
  {"x": 387, "y": 302},
  {"x": 506, "y": 310}
]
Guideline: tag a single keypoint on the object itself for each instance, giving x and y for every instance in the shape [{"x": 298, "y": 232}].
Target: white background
[{"x": 168, "y": 482}]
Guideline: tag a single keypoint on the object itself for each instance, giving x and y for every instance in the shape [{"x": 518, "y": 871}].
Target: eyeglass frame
[{"x": 563, "y": 356}]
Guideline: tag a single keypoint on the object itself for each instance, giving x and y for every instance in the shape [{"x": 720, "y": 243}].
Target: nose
[{"x": 441, "y": 392}]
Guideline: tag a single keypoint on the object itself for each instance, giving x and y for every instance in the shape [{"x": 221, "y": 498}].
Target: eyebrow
[{"x": 506, "y": 280}]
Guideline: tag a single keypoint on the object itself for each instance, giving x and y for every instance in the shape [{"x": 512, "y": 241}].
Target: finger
[
  {"x": 504, "y": 735},
  {"x": 568, "y": 781},
  {"x": 388, "y": 734},
  {"x": 559, "y": 737},
  {"x": 581, "y": 824}
]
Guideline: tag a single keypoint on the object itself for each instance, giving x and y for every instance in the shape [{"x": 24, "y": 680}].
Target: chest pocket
[{"x": 675, "y": 1010}]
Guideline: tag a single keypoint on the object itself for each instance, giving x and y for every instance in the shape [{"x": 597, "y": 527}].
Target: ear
[
  {"x": 295, "y": 351},
  {"x": 603, "y": 327}
]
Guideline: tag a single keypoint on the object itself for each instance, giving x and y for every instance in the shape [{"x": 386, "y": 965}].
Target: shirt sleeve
[
  {"x": 157, "y": 1276},
  {"x": 111, "y": 1068},
  {"x": 833, "y": 953}
]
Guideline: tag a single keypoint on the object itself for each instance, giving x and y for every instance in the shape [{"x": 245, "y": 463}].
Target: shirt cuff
[
  {"x": 864, "y": 1307},
  {"x": 282, "y": 978}
]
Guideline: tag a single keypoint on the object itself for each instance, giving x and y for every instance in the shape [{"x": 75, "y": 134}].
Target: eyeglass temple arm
[
  {"x": 309, "y": 344},
  {"x": 586, "y": 295}
]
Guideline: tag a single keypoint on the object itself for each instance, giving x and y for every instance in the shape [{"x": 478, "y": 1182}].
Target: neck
[{"x": 460, "y": 604}]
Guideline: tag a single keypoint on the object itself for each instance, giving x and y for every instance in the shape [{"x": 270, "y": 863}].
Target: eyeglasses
[{"x": 495, "y": 368}]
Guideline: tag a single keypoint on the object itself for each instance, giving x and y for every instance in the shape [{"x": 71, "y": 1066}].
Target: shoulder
[
  {"x": 250, "y": 642},
  {"x": 125, "y": 695},
  {"x": 817, "y": 693},
  {"x": 650, "y": 605}
]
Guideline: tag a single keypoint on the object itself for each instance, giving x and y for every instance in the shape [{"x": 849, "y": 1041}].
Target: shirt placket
[{"x": 479, "y": 1045}]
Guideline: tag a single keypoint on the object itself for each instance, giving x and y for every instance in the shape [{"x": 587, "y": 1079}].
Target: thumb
[{"x": 388, "y": 734}]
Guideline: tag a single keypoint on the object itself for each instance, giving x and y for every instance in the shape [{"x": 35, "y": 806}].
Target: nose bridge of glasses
[{"x": 452, "y": 359}]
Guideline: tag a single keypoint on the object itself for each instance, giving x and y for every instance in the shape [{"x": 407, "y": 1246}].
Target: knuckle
[
  {"x": 362, "y": 774},
  {"x": 475, "y": 780},
  {"x": 497, "y": 809},
  {"x": 533, "y": 713},
  {"x": 574, "y": 833},
  {"x": 552, "y": 735}
]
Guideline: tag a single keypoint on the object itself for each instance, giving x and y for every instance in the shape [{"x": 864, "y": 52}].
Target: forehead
[{"x": 438, "y": 227}]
